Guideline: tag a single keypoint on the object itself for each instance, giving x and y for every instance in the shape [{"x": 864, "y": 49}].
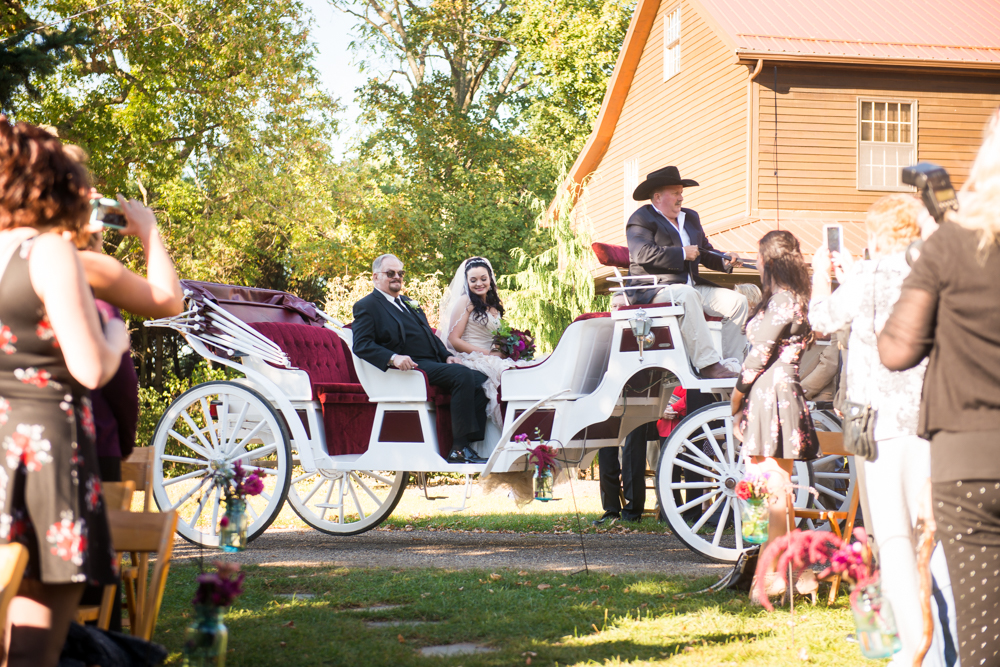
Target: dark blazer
[
  {"x": 655, "y": 248},
  {"x": 378, "y": 330}
]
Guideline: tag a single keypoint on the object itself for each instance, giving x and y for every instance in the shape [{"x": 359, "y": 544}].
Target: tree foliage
[
  {"x": 31, "y": 51},
  {"x": 554, "y": 287}
]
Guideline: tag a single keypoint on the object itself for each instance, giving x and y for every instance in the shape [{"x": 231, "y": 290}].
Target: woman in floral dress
[
  {"x": 772, "y": 417},
  {"x": 52, "y": 350}
]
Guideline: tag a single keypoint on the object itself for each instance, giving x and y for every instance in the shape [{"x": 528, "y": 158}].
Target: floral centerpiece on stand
[
  {"x": 873, "y": 618},
  {"x": 206, "y": 638},
  {"x": 514, "y": 343},
  {"x": 543, "y": 458},
  {"x": 234, "y": 523},
  {"x": 755, "y": 513}
]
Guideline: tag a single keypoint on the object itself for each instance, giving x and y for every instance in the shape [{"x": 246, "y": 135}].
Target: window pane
[
  {"x": 892, "y": 133},
  {"x": 866, "y": 130},
  {"x": 879, "y": 131},
  {"x": 893, "y": 112},
  {"x": 880, "y": 111},
  {"x": 904, "y": 134},
  {"x": 866, "y": 111},
  {"x": 904, "y": 113}
]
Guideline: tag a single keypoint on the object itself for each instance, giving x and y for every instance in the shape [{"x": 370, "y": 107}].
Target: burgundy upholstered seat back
[
  {"x": 611, "y": 255},
  {"x": 318, "y": 351}
]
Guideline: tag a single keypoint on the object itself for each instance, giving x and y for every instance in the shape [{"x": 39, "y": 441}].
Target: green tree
[{"x": 31, "y": 50}]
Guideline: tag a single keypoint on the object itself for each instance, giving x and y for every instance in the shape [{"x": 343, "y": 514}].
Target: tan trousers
[{"x": 728, "y": 304}]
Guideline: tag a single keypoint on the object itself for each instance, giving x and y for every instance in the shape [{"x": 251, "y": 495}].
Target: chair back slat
[
  {"x": 118, "y": 495},
  {"x": 138, "y": 468},
  {"x": 145, "y": 533}
]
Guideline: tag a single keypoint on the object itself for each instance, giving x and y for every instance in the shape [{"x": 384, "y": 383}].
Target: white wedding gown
[{"x": 480, "y": 335}]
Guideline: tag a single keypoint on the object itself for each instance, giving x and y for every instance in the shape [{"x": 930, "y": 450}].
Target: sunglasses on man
[{"x": 392, "y": 274}]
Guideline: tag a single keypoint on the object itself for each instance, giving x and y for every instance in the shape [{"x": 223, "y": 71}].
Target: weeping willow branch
[{"x": 554, "y": 287}]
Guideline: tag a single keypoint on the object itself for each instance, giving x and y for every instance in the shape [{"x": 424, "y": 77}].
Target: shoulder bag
[{"x": 859, "y": 418}]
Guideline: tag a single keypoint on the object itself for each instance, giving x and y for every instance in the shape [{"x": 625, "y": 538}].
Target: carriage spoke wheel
[
  {"x": 198, "y": 441},
  {"x": 696, "y": 480},
  {"x": 346, "y": 502},
  {"x": 833, "y": 477}
]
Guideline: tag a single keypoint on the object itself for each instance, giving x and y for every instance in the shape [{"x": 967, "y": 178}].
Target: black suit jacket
[
  {"x": 655, "y": 248},
  {"x": 378, "y": 330}
]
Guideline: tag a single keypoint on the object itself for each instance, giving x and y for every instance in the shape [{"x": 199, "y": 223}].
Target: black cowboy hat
[{"x": 658, "y": 179}]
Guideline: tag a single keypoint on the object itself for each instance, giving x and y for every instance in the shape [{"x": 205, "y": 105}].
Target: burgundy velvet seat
[{"x": 348, "y": 415}]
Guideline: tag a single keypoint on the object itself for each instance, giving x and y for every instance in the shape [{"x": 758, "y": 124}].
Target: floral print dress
[
  {"x": 778, "y": 423},
  {"x": 50, "y": 491}
]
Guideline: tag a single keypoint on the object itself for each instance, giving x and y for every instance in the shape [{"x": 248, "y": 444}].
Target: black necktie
[{"x": 399, "y": 303}]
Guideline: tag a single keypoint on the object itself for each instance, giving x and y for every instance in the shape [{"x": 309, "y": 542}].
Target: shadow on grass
[{"x": 549, "y": 617}]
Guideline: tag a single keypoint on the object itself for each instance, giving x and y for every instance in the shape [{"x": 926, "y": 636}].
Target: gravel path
[{"x": 620, "y": 553}]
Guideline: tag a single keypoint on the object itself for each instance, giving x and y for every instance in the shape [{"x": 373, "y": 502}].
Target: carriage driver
[{"x": 667, "y": 241}]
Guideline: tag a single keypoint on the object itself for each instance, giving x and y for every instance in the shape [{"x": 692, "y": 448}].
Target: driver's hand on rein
[
  {"x": 691, "y": 253},
  {"x": 403, "y": 362}
]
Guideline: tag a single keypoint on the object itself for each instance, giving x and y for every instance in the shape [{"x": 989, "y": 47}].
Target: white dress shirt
[
  {"x": 392, "y": 300},
  {"x": 685, "y": 239}
]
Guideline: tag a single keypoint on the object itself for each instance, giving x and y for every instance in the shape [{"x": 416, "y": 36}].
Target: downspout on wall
[{"x": 753, "y": 75}]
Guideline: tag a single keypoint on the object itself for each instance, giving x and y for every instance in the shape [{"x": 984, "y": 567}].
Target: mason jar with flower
[
  {"x": 234, "y": 523},
  {"x": 206, "y": 638},
  {"x": 755, "y": 512}
]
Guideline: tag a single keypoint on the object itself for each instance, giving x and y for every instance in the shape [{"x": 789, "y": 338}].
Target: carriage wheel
[
  {"x": 703, "y": 446},
  {"x": 205, "y": 431},
  {"x": 833, "y": 477},
  {"x": 346, "y": 502}
]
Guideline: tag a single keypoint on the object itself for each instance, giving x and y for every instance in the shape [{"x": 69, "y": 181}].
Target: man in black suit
[
  {"x": 668, "y": 241},
  {"x": 390, "y": 331}
]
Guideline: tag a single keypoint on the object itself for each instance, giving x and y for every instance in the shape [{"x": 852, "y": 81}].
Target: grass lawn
[{"x": 528, "y": 618}]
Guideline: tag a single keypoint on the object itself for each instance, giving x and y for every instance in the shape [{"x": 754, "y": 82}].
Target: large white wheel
[
  {"x": 833, "y": 477},
  {"x": 703, "y": 446},
  {"x": 200, "y": 436},
  {"x": 346, "y": 502}
]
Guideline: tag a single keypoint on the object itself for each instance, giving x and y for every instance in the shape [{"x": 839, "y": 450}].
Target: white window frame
[
  {"x": 630, "y": 181},
  {"x": 897, "y": 157},
  {"x": 672, "y": 43}
]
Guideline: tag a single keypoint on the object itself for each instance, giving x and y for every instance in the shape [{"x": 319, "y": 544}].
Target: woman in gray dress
[{"x": 771, "y": 415}]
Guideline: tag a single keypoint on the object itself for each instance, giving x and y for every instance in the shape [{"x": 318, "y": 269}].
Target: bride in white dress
[{"x": 471, "y": 312}]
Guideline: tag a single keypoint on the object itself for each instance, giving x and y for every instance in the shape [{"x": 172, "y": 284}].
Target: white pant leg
[
  {"x": 694, "y": 329},
  {"x": 895, "y": 482},
  {"x": 732, "y": 307}
]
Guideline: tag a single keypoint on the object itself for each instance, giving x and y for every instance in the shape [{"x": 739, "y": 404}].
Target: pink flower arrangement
[
  {"x": 243, "y": 484},
  {"x": 513, "y": 343},
  {"x": 802, "y": 548},
  {"x": 753, "y": 487},
  {"x": 219, "y": 588}
]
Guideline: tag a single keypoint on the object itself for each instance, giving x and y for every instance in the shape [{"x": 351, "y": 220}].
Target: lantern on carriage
[{"x": 641, "y": 329}]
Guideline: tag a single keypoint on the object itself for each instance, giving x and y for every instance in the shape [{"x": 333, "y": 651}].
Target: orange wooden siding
[
  {"x": 696, "y": 120},
  {"x": 817, "y": 130}
]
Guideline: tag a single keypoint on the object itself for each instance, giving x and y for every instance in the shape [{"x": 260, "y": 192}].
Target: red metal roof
[
  {"x": 949, "y": 32},
  {"x": 742, "y": 235}
]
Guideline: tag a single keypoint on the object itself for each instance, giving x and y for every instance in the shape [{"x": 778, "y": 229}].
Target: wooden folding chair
[
  {"x": 831, "y": 443},
  {"x": 117, "y": 496},
  {"x": 144, "y": 533},
  {"x": 13, "y": 560},
  {"x": 138, "y": 468}
]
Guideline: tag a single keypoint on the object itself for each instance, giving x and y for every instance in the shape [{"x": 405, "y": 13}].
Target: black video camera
[{"x": 935, "y": 188}]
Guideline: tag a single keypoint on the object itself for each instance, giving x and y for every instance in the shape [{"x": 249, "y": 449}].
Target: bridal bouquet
[{"x": 513, "y": 343}]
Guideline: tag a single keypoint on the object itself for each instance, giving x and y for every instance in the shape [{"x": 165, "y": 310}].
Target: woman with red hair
[{"x": 54, "y": 351}]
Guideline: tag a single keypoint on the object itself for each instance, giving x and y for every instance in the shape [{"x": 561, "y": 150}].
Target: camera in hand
[
  {"x": 934, "y": 186},
  {"x": 108, "y": 212}
]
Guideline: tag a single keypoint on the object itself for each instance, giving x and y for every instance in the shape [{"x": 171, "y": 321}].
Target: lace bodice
[{"x": 480, "y": 334}]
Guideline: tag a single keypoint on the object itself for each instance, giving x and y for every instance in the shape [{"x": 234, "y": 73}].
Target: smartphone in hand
[
  {"x": 834, "y": 235},
  {"x": 107, "y": 212}
]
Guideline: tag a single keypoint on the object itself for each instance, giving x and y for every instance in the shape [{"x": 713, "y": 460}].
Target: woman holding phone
[{"x": 54, "y": 351}]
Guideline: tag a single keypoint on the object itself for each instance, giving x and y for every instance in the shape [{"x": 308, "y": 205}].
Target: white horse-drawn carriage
[{"x": 339, "y": 438}]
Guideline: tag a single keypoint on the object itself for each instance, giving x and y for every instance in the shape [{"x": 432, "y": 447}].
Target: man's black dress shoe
[
  {"x": 465, "y": 455},
  {"x": 613, "y": 516}
]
